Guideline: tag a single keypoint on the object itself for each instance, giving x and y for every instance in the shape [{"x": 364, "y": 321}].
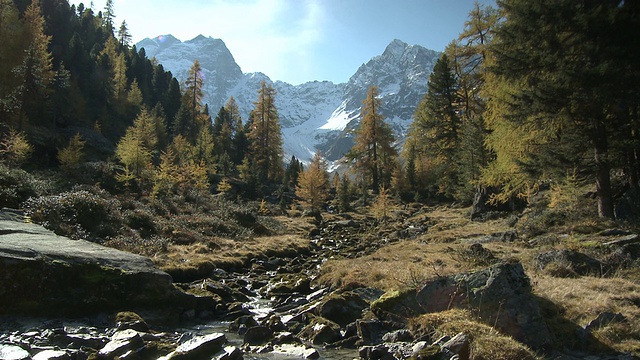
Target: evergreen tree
[
  {"x": 108, "y": 16},
  {"x": 124, "y": 36},
  {"x": 11, "y": 57},
  {"x": 265, "y": 136},
  {"x": 292, "y": 173},
  {"x": 37, "y": 66},
  {"x": 344, "y": 194},
  {"x": 193, "y": 95},
  {"x": 373, "y": 152},
  {"x": 436, "y": 126},
  {"x": 560, "y": 92}
]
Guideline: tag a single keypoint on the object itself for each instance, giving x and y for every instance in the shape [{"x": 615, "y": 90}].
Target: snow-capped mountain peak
[{"x": 314, "y": 115}]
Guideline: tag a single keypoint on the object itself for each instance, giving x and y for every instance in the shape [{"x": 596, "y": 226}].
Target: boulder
[
  {"x": 501, "y": 295},
  {"x": 121, "y": 342},
  {"x": 12, "y": 352},
  {"x": 321, "y": 331},
  {"x": 342, "y": 308},
  {"x": 568, "y": 263},
  {"x": 231, "y": 353},
  {"x": 200, "y": 347},
  {"x": 46, "y": 274},
  {"x": 258, "y": 335},
  {"x": 51, "y": 355}
]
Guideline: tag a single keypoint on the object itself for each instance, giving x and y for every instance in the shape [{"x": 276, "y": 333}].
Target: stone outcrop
[
  {"x": 46, "y": 274},
  {"x": 500, "y": 294}
]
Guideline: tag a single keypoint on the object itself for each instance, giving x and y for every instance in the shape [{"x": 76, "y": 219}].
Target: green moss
[
  {"x": 391, "y": 299},
  {"x": 96, "y": 274},
  {"x": 432, "y": 352}
]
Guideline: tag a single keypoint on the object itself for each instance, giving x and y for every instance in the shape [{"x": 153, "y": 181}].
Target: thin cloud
[{"x": 276, "y": 37}]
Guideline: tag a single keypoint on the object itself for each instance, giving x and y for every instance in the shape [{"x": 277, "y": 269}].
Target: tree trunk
[{"x": 603, "y": 184}]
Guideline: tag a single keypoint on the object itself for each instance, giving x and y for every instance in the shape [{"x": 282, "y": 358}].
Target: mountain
[{"x": 314, "y": 115}]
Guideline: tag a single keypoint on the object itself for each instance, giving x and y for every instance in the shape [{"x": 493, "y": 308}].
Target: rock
[
  {"x": 417, "y": 347},
  {"x": 370, "y": 331},
  {"x": 51, "y": 355},
  {"x": 342, "y": 308},
  {"x": 54, "y": 275},
  {"x": 290, "y": 283},
  {"x": 344, "y": 224},
  {"x": 311, "y": 354},
  {"x": 130, "y": 320},
  {"x": 12, "y": 352},
  {"x": 568, "y": 263},
  {"x": 242, "y": 323},
  {"x": 625, "y": 240},
  {"x": 121, "y": 342},
  {"x": 258, "y": 335},
  {"x": 459, "y": 345},
  {"x": 501, "y": 294},
  {"x": 321, "y": 331},
  {"x": 231, "y": 353},
  {"x": 402, "y": 335},
  {"x": 200, "y": 347},
  {"x": 377, "y": 352},
  {"x": 604, "y": 319}
]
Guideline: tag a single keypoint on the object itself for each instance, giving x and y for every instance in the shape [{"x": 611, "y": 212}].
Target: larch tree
[
  {"x": 468, "y": 60},
  {"x": 265, "y": 137},
  {"x": 194, "y": 85},
  {"x": 373, "y": 153},
  {"x": 565, "y": 98},
  {"x": 313, "y": 183}
]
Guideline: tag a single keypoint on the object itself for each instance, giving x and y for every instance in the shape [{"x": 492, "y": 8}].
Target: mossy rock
[
  {"x": 432, "y": 352},
  {"x": 398, "y": 302}
]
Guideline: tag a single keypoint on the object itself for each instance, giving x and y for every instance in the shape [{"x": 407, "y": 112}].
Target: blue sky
[{"x": 298, "y": 40}]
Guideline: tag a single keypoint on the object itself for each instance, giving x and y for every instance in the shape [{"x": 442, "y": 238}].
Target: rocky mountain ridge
[{"x": 314, "y": 115}]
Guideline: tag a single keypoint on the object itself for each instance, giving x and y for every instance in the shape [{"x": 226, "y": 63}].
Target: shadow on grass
[{"x": 567, "y": 334}]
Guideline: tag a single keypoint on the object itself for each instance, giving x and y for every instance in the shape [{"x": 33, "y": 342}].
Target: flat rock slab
[{"x": 42, "y": 273}]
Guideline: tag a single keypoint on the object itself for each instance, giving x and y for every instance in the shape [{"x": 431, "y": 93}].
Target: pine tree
[
  {"x": 124, "y": 36},
  {"x": 313, "y": 184},
  {"x": 344, "y": 194},
  {"x": 556, "y": 93},
  {"x": 265, "y": 136},
  {"x": 373, "y": 152},
  {"x": 436, "y": 126},
  {"x": 108, "y": 15}
]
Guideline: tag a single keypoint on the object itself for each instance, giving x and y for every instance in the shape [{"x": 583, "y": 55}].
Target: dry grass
[
  {"x": 485, "y": 342},
  {"x": 399, "y": 265},
  {"x": 200, "y": 258},
  {"x": 450, "y": 225},
  {"x": 581, "y": 300},
  {"x": 410, "y": 263}
]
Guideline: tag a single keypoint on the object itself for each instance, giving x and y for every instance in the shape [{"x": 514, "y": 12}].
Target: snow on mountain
[{"x": 313, "y": 115}]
